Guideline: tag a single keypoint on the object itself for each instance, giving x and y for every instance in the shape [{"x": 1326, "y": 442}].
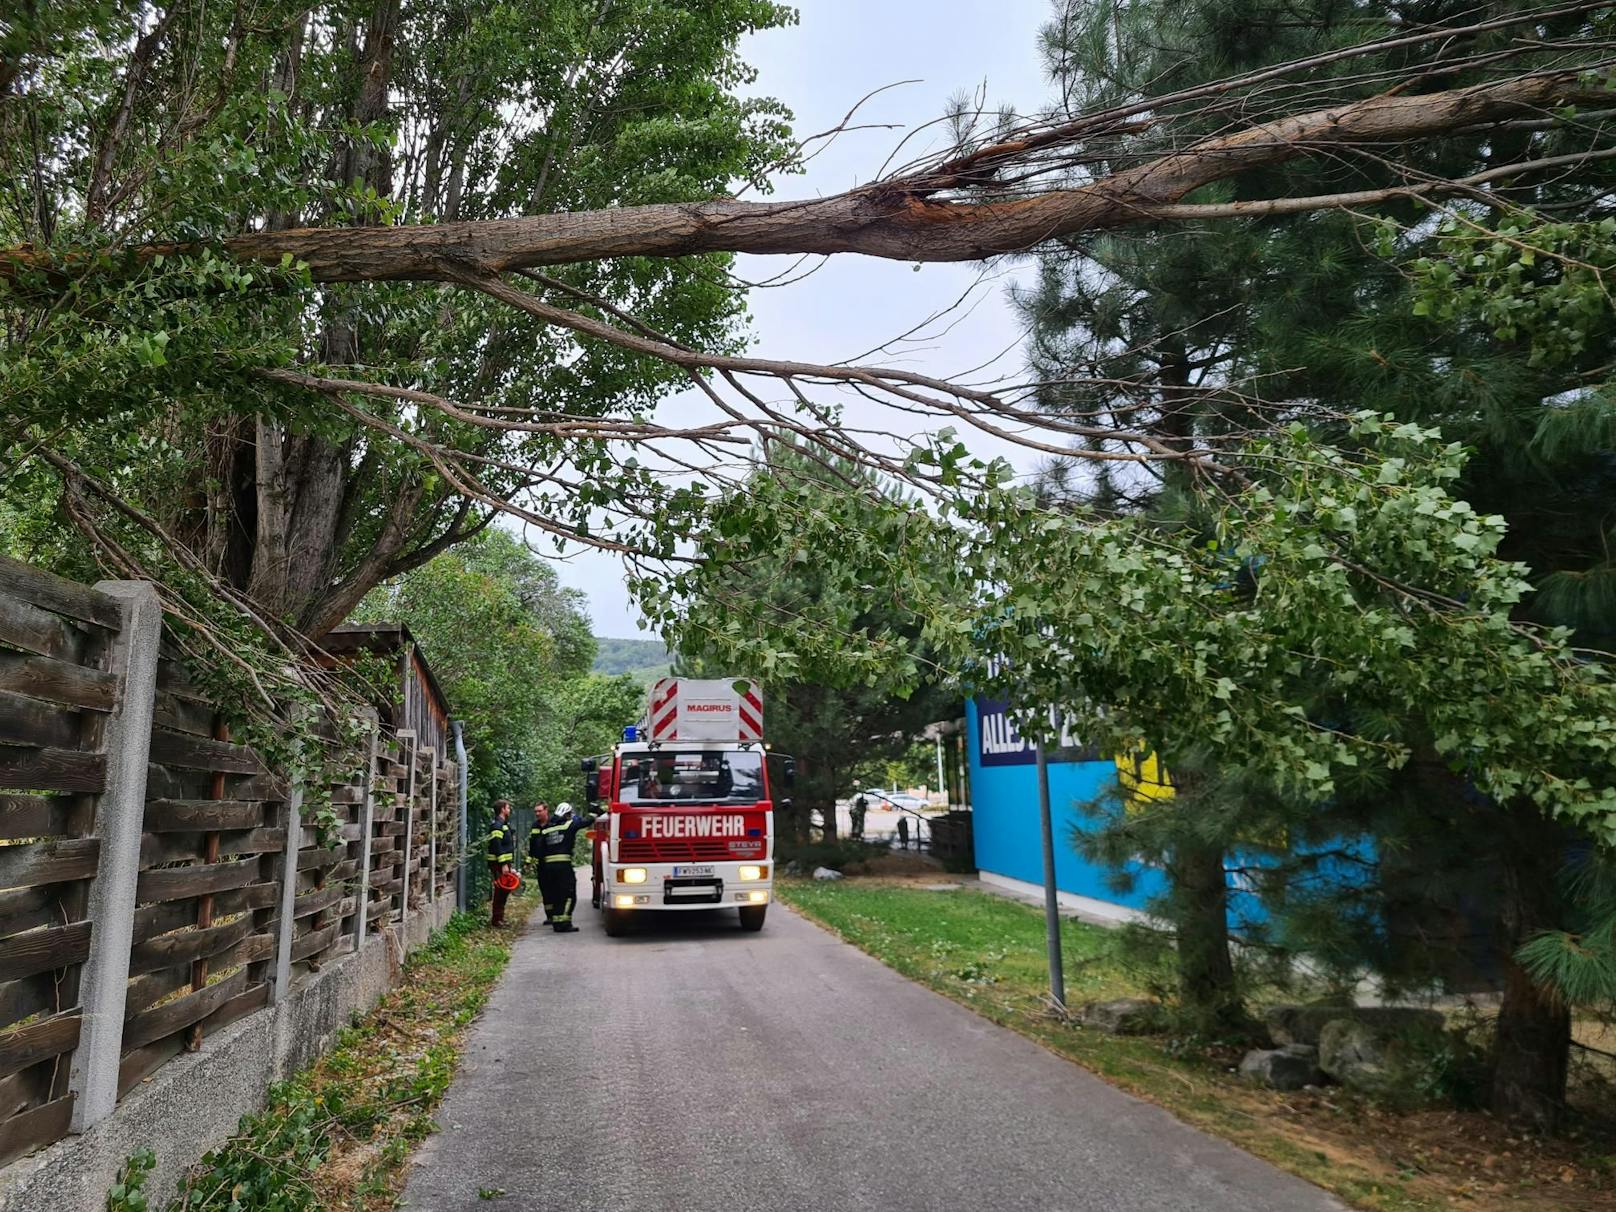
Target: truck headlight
[
  {"x": 631, "y": 875},
  {"x": 623, "y": 902},
  {"x": 752, "y": 873}
]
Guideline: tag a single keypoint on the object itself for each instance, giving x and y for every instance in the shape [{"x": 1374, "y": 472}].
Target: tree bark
[
  {"x": 1206, "y": 980},
  {"x": 895, "y": 219},
  {"x": 793, "y": 823},
  {"x": 1531, "y": 1053},
  {"x": 829, "y": 829},
  {"x": 304, "y": 482},
  {"x": 1532, "y": 1044}
]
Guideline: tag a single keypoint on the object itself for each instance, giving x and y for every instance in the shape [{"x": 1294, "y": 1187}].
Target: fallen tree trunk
[{"x": 894, "y": 219}]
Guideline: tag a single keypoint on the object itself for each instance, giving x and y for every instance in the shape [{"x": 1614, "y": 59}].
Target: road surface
[{"x": 691, "y": 1066}]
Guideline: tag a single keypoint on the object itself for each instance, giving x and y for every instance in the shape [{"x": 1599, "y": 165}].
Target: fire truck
[{"x": 690, "y": 800}]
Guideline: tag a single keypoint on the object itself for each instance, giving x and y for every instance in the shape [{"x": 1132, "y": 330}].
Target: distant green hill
[{"x": 644, "y": 660}]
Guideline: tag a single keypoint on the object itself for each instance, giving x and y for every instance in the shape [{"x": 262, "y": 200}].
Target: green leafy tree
[
  {"x": 916, "y": 766},
  {"x": 835, "y": 726},
  {"x": 511, "y": 649},
  {"x": 190, "y": 123},
  {"x": 1359, "y": 571},
  {"x": 501, "y": 635},
  {"x": 584, "y": 718}
]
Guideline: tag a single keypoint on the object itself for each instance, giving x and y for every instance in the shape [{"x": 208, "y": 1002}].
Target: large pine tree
[{"x": 1194, "y": 336}]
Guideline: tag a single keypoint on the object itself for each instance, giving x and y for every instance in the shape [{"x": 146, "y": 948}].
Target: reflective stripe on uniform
[
  {"x": 500, "y": 835},
  {"x": 558, "y": 858}
]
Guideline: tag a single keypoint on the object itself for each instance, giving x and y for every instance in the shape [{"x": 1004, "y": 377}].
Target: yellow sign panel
[{"x": 1143, "y": 779}]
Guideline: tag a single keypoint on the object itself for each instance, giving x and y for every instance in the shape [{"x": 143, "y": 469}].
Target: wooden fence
[{"x": 157, "y": 880}]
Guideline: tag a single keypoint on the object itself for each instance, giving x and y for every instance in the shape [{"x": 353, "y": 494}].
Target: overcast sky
[{"x": 841, "y": 50}]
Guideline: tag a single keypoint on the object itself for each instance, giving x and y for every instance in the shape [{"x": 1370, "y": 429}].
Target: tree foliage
[
  {"x": 512, "y": 650},
  {"x": 643, "y": 660},
  {"x": 1487, "y": 316},
  {"x": 189, "y": 124},
  {"x": 1356, "y": 570},
  {"x": 275, "y": 334},
  {"x": 835, "y": 724}
]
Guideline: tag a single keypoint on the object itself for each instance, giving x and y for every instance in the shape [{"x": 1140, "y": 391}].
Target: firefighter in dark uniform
[
  {"x": 501, "y": 857},
  {"x": 550, "y": 847}
]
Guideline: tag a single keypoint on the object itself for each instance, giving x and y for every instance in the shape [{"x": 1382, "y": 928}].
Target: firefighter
[
  {"x": 501, "y": 854},
  {"x": 550, "y": 848}
]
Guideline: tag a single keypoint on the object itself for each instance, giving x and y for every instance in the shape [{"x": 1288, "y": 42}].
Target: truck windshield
[{"x": 722, "y": 777}]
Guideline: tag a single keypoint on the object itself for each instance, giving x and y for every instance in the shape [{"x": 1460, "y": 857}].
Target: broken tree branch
[{"x": 881, "y": 220}]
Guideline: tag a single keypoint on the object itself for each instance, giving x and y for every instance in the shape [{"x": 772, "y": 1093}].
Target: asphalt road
[{"x": 691, "y": 1066}]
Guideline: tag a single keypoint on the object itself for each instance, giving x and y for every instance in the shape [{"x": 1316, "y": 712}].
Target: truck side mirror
[
  {"x": 788, "y": 773},
  {"x": 592, "y": 787},
  {"x": 587, "y": 765}
]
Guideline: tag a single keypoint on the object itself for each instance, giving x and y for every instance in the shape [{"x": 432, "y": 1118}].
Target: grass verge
[
  {"x": 987, "y": 952},
  {"x": 337, "y": 1136}
]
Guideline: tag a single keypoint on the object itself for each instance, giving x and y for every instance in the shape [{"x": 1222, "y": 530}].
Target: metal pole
[
  {"x": 1057, "y": 978},
  {"x": 942, "y": 783},
  {"x": 461, "y": 889}
]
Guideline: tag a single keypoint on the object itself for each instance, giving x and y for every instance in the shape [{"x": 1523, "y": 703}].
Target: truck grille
[{"x": 674, "y": 850}]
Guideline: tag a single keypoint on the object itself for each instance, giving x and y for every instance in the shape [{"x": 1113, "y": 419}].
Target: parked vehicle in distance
[{"x": 900, "y": 801}]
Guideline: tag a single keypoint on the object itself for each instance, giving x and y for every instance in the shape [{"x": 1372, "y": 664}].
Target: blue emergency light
[{"x": 631, "y": 733}]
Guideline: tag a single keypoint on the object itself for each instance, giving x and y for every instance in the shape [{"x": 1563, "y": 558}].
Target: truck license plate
[{"x": 696, "y": 872}]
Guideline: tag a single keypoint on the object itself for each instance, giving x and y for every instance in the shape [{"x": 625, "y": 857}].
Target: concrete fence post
[
  {"x": 462, "y": 874},
  {"x": 281, "y": 980},
  {"x": 407, "y": 734},
  {"x": 367, "y": 830},
  {"x": 120, "y": 815}
]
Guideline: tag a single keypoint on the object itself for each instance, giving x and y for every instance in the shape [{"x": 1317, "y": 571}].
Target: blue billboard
[{"x": 999, "y": 743}]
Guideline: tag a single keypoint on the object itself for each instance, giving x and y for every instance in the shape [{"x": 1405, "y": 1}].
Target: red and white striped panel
[
  {"x": 665, "y": 710},
  {"x": 751, "y": 715}
]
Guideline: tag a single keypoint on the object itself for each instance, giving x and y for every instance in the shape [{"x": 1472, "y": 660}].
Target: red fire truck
[{"x": 691, "y": 809}]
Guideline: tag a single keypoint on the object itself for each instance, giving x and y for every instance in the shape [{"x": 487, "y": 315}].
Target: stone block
[
  {"x": 1287, "y": 1068},
  {"x": 1305, "y": 1024},
  {"x": 1367, "y": 1056},
  {"x": 1124, "y": 1016}
]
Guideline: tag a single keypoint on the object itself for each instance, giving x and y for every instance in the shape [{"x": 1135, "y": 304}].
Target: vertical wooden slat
[
  {"x": 432, "y": 833},
  {"x": 204, "y": 903},
  {"x": 367, "y": 834},
  {"x": 408, "y": 740}
]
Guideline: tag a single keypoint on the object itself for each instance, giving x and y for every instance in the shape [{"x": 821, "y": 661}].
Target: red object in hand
[{"x": 508, "y": 880}]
